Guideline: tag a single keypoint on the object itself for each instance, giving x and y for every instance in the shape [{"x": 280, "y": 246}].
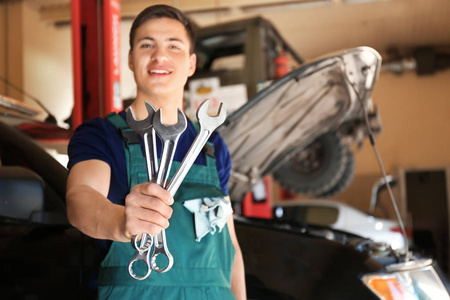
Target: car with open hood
[{"x": 297, "y": 125}]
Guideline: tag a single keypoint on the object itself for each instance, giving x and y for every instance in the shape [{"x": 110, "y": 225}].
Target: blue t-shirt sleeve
[
  {"x": 89, "y": 141},
  {"x": 223, "y": 161},
  {"x": 99, "y": 139}
]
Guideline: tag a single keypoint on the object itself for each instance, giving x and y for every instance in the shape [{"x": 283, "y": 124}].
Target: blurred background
[
  {"x": 412, "y": 94},
  {"x": 36, "y": 55}
]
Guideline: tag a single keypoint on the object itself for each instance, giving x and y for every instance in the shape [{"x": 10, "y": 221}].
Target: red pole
[
  {"x": 77, "y": 117},
  {"x": 111, "y": 56},
  {"x": 96, "y": 63}
]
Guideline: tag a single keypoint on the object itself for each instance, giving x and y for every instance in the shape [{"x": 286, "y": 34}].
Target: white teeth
[{"x": 159, "y": 72}]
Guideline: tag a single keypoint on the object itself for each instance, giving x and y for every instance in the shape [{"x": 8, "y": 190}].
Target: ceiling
[{"x": 314, "y": 27}]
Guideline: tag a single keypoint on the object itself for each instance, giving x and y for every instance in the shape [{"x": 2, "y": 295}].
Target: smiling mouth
[{"x": 159, "y": 72}]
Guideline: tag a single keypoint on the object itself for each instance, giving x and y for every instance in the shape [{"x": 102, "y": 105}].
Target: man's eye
[
  {"x": 146, "y": 46},
  {"x": 174, "y": 47}
]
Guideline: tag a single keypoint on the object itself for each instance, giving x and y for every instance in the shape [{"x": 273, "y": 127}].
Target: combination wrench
[
  {"x": 145, "y": 129},
  {"x": 207, "y": 125},
  {"x": 169, "y": 136},
  {"x": 143, "y": 242}
]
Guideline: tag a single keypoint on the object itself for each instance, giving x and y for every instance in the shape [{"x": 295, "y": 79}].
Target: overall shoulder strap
[{"x": 135, "y": 161}]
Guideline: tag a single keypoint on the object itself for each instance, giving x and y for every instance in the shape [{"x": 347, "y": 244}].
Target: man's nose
[{"x": 159, "y": 54}]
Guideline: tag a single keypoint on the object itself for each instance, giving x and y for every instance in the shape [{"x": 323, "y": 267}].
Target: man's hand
[{"x": 147, "y": 209}]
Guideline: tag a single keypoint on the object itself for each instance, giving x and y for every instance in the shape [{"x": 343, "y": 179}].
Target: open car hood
[{"x": 292, "y": 112}]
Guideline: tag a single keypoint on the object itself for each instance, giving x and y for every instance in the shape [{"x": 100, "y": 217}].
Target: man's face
[{"x": 160, "y": 59}]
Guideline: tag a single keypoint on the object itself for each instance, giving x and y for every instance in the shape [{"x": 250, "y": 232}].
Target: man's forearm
[{"x": 93, "y": 214}]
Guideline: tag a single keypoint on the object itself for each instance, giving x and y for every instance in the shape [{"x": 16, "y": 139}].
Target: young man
[{"x": 102, "y": 205}]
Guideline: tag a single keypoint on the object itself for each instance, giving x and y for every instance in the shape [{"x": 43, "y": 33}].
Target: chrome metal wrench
[
  {"x": 145, "y": 129},
  {"x": 169, "y": 136},
  {"x": 207, "y": 125},
  {"x": 142, "y": 254}
]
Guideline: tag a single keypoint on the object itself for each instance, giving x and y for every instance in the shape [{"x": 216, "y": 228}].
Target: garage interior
[{"x": 413, "y": 97}]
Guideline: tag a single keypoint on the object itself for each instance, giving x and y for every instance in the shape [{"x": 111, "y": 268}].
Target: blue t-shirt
[{"x": 100, "y": 139}]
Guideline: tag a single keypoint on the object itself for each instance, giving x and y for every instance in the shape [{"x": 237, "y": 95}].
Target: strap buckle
[
  {"x": 129, "y": 136},
  {"x": 208, "y": 149}
]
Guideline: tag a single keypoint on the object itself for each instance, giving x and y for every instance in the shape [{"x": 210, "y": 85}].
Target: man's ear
[
  {"x": 130, "y": 61},
  {"x": 193, "y": 64}
]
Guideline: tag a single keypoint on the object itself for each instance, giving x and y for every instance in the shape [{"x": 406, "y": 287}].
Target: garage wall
[
  {"x": 47, "y": 59},
  {"x": 415, "y": 112},
  {"x": 11, "y": 58},
  {"x": 36, "y": 55},
  {"x": 416, "y": 119}
]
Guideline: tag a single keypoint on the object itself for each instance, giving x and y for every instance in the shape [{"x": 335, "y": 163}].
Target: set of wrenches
[{"x": 149, "y": 128}]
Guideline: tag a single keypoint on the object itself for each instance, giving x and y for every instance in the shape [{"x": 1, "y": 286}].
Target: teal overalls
[{"x": 201, "y": 270}]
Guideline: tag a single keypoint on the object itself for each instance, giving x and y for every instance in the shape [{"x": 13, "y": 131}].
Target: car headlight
[{"x": 415, "y": 280}]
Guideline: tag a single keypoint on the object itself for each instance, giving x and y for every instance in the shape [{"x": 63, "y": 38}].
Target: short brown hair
[{"x": 163, "y": 11}]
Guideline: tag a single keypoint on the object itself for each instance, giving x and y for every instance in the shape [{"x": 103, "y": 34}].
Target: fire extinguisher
[{"x": 282, "y": 65}]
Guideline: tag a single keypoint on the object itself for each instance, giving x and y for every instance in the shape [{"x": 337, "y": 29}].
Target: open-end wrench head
[
  {"x": 210, "y": 122},
  {"x": 144, "y": 125},
  {"x": 150, "y": 109},
  {"x": 171, "y": 131}
]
